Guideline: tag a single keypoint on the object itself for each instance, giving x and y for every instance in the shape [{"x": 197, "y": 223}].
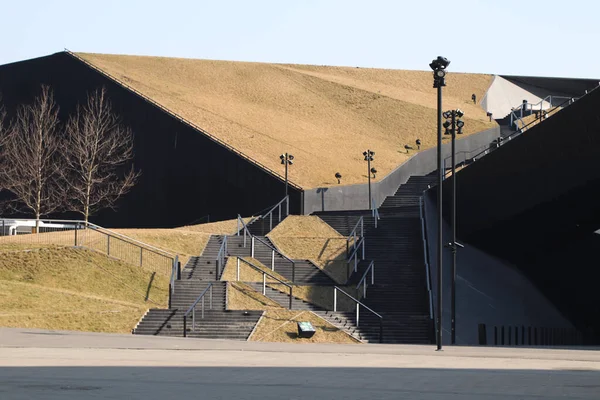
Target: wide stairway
[
  {"x": 400, "y": 290},
  {"x": 218, "y": 322}
]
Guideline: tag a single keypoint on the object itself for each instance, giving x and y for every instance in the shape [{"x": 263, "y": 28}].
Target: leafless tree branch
[
  {"x": 31, "y": 157},
  {"x": 98, "y": 150}
]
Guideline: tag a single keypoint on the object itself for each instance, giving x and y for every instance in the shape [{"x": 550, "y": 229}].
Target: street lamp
[
  {"x": 373, "y": 171},
  {"x": 439, "y": 66},
  {"x": 286, "y": 159},
  {"x": 453, "y": 126},
  {"x": 368, "y": 158}
]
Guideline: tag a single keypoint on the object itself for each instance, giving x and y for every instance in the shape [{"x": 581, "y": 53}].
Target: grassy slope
[
  {"x": 278, "y": 324},
  {"x": 336, "y": 112},
  {"x": 75, "y": 289},
  {"x": 308, "y": 237}
]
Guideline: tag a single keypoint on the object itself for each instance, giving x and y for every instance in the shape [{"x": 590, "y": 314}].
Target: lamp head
[
  {"x": 459, "y": 113},
  {"x": 440, "y": 63}
]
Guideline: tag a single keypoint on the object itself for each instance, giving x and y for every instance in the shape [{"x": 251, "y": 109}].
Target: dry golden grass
[
  {"x": 319, "y": 295},
  {"x": 75, "y": 289},
  {"x": 280, "y": 326},
  {"x": 338, "y": 112},
  {"x": 242, "y": 297},
  {"x": 228, "y": 227},
  {"x": 309, "y": 237}
]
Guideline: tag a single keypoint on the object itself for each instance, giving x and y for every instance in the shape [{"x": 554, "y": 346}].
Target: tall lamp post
[
  {"x": 286, "y": 159},
  {"x": 439, "y": 66},
  {"x": 368, "y": 158},
  {"x": 453, "y": 125}
]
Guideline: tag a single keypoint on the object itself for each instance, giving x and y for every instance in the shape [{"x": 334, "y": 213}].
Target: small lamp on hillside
[
  {"x": 338, "y": 176},
  {"x": 373, "y": 171},
  {"x": 418, "y": 143}
]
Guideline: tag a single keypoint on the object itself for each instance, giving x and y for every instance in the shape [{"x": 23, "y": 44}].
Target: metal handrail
[
  {"x": 354, "y": 255},
  {"x": 363, "y": 280},
  {"x": 286, "y": 199},
  {"x": 174, "y": 276},
  {"x": 240, "y": 221},
  {"x": 182, "y": 119},
  {"x": 264, "y": 281},
  {"x": 274, "y": 251},
  {"x": 426, "y": 255},
  {"x": 531, "y": 107},
  {"x": 192, "y": 309},
  {"x": 221, "y": 256},
  {"x": 79, "y": 225},
  {"x": 352, "y": 236},
  {"x": 358, "y": 304},
  {"x": 484, "y": 150},
  {"x": 375, "y": 212}
]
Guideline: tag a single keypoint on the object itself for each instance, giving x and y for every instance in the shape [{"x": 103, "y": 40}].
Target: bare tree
[
  {"x": 98, "y": 150},
  {"x": 31, "y": 158}
]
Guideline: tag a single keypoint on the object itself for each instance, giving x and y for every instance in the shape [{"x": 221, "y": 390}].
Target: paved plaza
[{"x": 37, "y": 364}]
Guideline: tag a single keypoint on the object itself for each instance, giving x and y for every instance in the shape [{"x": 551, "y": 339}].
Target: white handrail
[
  {"x": 286, "y": 199},
  {"x": 358, "y": 304},
  {"x": 375, "y": 212},
  {"x": 240, "y": 220},
  {"x": 363, "y": 280},
  {"x": 425, "y": 256},
  {"x": 353, "y": 234},
  {"x": 354, "y": 255},
  {"x": 221, "y": 256},
  {"x": 192, "y": 309}
]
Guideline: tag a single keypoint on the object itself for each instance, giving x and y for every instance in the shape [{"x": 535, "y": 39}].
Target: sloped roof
[{"x": 325, "y": 116}]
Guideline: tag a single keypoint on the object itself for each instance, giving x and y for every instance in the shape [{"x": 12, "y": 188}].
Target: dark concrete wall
[
  {"x": 489, "y": 290},
  {"x": 534, "y": 202},
  {"x": 185, "y": 174},
  {"x": 355, "y": 197}
]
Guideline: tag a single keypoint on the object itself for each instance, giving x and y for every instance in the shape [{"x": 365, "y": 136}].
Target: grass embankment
[
  {"x": 75, "y": 289},
  {"x": 279, "y": 324},
  {"x": 308, "y": 237},
  {"x": 336, "y": 112},
  {"x": 321, "y": 296}
]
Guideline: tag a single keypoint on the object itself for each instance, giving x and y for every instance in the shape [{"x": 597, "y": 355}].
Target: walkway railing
[
  {"x": 279, "y": 210},
  {"x": 374, "y": 212},
  {"x": 474, "y": 155},
  {"x": 358, "y": 305},
  {"x": 364, "y": 281},
  {"x": 353, "y": 259},
  {"x": 530, "y": 336},
  {"x": 76, "y": 233},
  {"x": 264, "y": 278},
  {"x": 241, "y": 226},
  {"x": 175, "y": 275},
  {"x": 357, "y": 232},
  {"x": 426, "y": 255},
  {"x": 192, "y": 309},
  {"x": 517, "y": 113},
  {"x": 221, "y": 258},
  {"x": 274, "y": 252}
]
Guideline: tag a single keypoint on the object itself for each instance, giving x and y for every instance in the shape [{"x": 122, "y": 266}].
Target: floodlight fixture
[
  {"x": 474, "y": 98},
  {"x": 338, "y": 176},
  {"x": 286, "y": 159},
  {"x": 447, "y": 114},
  {"x": 373, "y": 171},
  {"x": 418, "y": 143},
  {"x": 440, "y": 63},
  {"x": 460, "y": 123},
  {"x": 459, "y": 113}
]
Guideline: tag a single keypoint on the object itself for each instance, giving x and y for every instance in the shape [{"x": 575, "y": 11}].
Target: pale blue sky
[{"x": 545, "y": 38}]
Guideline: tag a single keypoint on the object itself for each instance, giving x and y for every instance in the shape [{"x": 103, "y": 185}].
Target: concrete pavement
[{"x": 72, "y": 365}]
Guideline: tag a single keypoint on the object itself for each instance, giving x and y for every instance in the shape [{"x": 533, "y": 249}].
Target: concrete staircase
[
  {"x": 218, "y": 322},
  {"x": 400, "y": 290},
  {"x": 204, "y": 267}
]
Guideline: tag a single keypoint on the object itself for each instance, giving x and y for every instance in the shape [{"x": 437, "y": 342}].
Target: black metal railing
[{"x": 529, "y": 336}]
